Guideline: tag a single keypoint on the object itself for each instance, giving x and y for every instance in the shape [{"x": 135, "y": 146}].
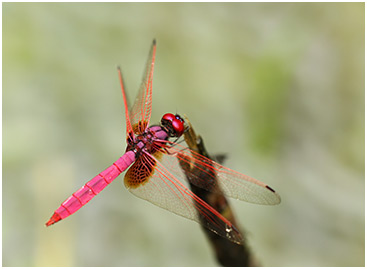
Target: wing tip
[{"x": 278, "y": 200}]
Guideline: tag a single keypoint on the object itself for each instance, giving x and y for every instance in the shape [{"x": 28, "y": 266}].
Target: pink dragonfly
[{"x": 155, "y": 173}]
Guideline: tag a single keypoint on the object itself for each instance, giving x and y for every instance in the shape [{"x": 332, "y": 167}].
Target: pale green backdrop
[{"x": 279, "y": 88}]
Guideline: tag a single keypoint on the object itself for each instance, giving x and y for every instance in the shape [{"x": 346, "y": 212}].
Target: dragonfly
[{"x": 153, "y": 160}]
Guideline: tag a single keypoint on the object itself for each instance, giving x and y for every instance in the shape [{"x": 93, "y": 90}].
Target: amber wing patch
[
  {"x": 141, "y": 171},
  {"x": 140, "y": 127}
]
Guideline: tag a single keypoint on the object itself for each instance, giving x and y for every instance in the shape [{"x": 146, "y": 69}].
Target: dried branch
[{"x": 227, "y": 252}]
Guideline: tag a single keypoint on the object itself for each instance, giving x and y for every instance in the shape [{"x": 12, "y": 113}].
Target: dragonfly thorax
[{"x": 150, "y": 141}]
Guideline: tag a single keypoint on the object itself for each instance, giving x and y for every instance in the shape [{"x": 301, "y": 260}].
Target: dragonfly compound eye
[
  {"x": 174, "y": 124},
  {"x": 178, "y": 126},
  {"x": 168, "y": 117}
]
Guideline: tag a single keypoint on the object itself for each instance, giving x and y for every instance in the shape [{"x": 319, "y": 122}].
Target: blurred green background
[{"x": 279, "y": 88}]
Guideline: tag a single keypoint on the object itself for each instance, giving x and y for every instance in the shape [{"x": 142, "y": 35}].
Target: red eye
[
  {"x": 178, "y": 126},
  {"x": 168, "y": 117},
  {"x": 174, "y": 124}
]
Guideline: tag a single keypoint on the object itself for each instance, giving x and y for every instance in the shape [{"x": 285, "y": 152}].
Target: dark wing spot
[{"x": 270, "y": 188}]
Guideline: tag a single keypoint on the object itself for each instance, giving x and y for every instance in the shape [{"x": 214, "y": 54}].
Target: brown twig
[{"x": 227, "y": 252}]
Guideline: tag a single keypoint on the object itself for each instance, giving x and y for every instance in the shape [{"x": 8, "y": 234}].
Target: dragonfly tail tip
[{"x": 55, "y": 218}]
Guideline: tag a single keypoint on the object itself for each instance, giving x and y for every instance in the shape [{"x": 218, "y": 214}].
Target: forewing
[
  {"x": 141, "y": 110},
  {"x": 232, "y": 183},
  {"x": 150, "y": 180},
  {"x": 129, "y": 128}
]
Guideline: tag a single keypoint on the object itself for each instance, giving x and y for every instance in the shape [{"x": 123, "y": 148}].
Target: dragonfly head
[{"x": 174, "y": 124}]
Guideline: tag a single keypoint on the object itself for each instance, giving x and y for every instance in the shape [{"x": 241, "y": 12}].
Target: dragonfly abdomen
[{"x": 92, "y": 188}]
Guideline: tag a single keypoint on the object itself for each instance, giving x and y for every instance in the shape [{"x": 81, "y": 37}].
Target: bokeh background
[{"x": 279, "y": 88}]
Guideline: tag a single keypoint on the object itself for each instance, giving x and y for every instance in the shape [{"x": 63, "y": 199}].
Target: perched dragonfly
[{"x": 153, "y": 157}]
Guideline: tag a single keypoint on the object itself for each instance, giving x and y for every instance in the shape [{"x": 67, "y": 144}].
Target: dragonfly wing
[
  {"x": 141, "y": 110},
  {"x": 129, "y": 128},
  {"x": 232, "y": 183},
  {"x": 150, "y": 180}
]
